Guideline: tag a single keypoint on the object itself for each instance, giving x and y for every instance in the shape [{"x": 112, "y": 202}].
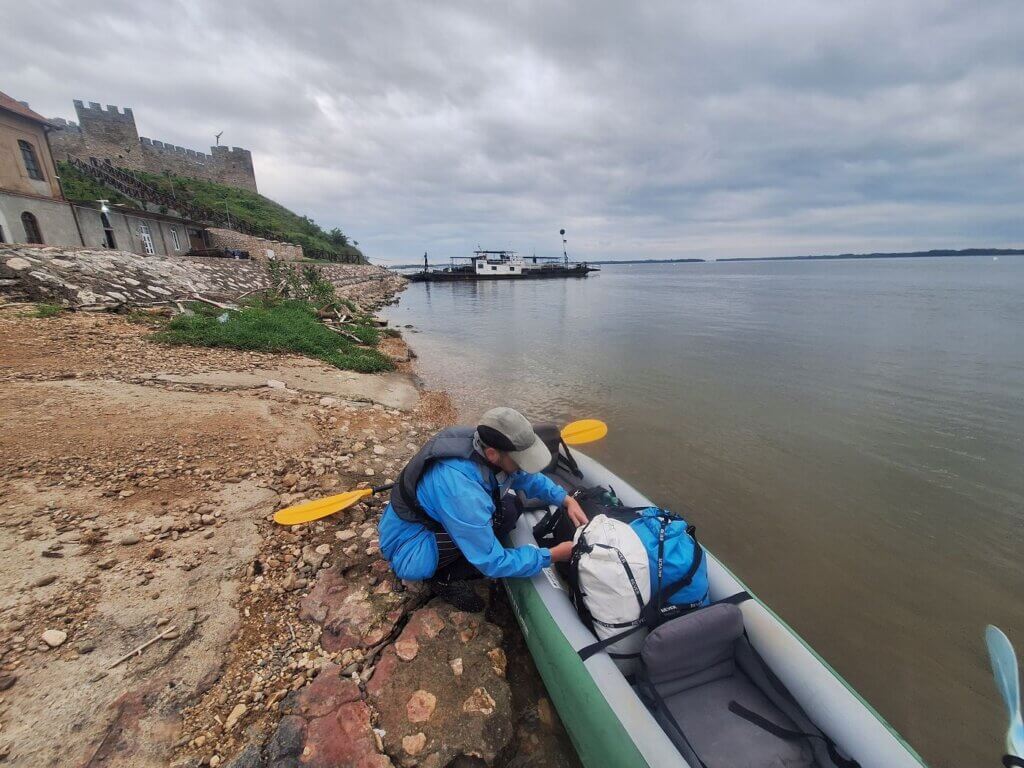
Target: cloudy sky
[{"x": 649, "y": 129}]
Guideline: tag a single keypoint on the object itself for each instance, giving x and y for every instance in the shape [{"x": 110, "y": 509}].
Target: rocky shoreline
[{"x": 139, "y": 483}]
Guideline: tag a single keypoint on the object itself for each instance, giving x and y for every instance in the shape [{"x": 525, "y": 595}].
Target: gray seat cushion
[
  {"x": 693, "y": 644},
  {"x": 723, "y": 739}
]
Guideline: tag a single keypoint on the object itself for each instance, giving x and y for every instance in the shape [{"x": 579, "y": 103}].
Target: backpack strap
[{"x": 685, "y": 580}]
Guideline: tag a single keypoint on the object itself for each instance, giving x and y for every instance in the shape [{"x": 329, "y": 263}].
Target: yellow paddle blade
[
  {"x": 584, "y": 431},
  {"x": 314, "y": 510}
]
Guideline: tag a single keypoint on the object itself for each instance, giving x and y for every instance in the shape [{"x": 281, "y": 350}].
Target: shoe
[{"x": 459, "y": 594}]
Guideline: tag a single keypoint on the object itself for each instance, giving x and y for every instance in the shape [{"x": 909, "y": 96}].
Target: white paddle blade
[{"x": 1007, "y": 676}]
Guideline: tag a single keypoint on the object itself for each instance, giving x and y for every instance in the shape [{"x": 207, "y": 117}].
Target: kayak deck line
[{"x": 600, "y": 709}]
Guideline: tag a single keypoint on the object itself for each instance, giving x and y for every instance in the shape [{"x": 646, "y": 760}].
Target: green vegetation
[
  {"x": 286, "y": 319},
  {"x": 241, "y": 205},
  {"x": 258, "y": 211},
  {"x": 47, "y": 310},
  {"x": 78, "y": 186},
  {"x": 276, "y": 326}
]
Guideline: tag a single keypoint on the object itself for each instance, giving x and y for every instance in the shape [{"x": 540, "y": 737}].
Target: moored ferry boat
[{"x": 501, "y": 265}]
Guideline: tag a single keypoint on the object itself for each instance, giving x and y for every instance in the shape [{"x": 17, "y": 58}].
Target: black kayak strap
[
  {"x": 659, "y": 704},
  {"x": 1012, "y": 761},
  {"x": 587, "y": 651},
  {"x": 791, "y": 735},
  {"x": 568, "y": 458}
]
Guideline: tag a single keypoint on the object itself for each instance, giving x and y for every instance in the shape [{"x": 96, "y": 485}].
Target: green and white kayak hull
[{"x": 609, "y": 724}]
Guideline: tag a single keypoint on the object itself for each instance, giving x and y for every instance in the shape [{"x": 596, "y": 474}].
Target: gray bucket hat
[{"x": 508, "y": 430}]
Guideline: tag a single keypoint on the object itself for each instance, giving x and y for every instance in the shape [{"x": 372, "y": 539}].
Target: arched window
[
  {"x": 28, "y": 154},
  {"x": 32, "y": 233}
]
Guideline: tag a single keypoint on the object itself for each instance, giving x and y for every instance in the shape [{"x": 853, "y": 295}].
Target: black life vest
[{"x": 452, "y": 443}]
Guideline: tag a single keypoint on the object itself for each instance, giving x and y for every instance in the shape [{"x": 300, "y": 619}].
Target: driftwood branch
[
  {"x": 139, "y": 649},
  {"x": 350, "y": 336},
  {"x": 211, "y": 302}
]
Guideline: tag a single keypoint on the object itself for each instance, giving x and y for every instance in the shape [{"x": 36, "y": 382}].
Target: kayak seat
[{"x": 695, "y": 669}]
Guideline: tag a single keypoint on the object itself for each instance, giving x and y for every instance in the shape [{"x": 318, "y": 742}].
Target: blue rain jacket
[{"x": 457, "y": 493}]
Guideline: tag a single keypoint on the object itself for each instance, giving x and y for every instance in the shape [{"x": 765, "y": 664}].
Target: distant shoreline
[
  {"x": 934, "y": 254},
  {"x": 648, "y": 261},
  {"x": 905, "y": 255}
]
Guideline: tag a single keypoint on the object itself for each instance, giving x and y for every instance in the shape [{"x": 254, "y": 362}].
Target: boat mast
[{"x": 565, "y": 255}]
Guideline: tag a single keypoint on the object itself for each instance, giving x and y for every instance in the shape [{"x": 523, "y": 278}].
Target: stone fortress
[{"x": 110, "y": 134}]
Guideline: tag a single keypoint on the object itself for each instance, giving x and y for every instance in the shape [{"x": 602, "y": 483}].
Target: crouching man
[{"x": 446, "y": 512}]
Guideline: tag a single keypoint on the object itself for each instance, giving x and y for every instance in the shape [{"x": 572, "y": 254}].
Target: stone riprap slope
[{"x": 79, "y": 277}]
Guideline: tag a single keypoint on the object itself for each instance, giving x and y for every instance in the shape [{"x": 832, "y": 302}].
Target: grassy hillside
[
  {"x": 242, "y": 205},
  {"x": 78, "y": 186}
]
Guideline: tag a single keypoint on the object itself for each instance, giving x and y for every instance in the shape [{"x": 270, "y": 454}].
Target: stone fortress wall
[{"x": 110, "y": 134}]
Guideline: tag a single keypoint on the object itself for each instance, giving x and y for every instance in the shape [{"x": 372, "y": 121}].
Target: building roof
[
  {"x": 139, "y": 213},
  {"x": 12, "y": 105}
]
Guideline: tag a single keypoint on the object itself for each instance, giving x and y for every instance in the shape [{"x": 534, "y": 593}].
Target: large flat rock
[{"x": 392, "y": 390}]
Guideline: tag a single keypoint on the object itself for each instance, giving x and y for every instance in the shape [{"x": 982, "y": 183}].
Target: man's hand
[
  {"x": 575, "y": 511},
  {"x": 561, "y": 553}
]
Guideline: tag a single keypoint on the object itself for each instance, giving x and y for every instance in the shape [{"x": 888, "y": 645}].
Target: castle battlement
[
  {"x": 236, "y": 151},
  {"x": 166, "y": 146},
  {"x": 110, "y": 134},
  {"x": 96, "y": 112}
]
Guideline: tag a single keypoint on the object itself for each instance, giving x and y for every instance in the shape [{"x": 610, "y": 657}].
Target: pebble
[
  {"x": 236, "y": 714},
  {"x": 6, "y": 681},
  {"x": 54, "y": 637},
  {"x": 414, "y": 744},
  {"x": 420, "y": 706},
  {"x": 276, "y": 384},
  {"x": 84, "y": 648},
  {"x": 43, "y": 581},
  {"x": 346, "y": 535},
  {"x": 129, "y": 539}
]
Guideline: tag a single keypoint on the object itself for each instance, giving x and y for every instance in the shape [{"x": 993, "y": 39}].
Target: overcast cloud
[{"x": 646, "y": 129}]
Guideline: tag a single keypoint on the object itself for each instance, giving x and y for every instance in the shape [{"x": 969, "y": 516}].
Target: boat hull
[{"x": 606, "y": 720}]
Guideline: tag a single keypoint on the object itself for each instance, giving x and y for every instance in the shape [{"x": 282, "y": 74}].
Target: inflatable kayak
[{"x": 733, "y": 684}]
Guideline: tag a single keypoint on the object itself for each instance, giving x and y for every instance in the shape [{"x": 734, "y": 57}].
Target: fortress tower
[{"x": 110, "y": 134}]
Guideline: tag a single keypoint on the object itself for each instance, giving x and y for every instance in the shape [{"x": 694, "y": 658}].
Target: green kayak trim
[{"x": 597, "y": 734}]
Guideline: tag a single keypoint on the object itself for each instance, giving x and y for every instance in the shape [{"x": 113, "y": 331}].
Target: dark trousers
[{"x": 452, "y": 565}]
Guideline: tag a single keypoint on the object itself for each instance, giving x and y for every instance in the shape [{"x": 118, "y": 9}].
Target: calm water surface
[{"x": 848, "y": 435}]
